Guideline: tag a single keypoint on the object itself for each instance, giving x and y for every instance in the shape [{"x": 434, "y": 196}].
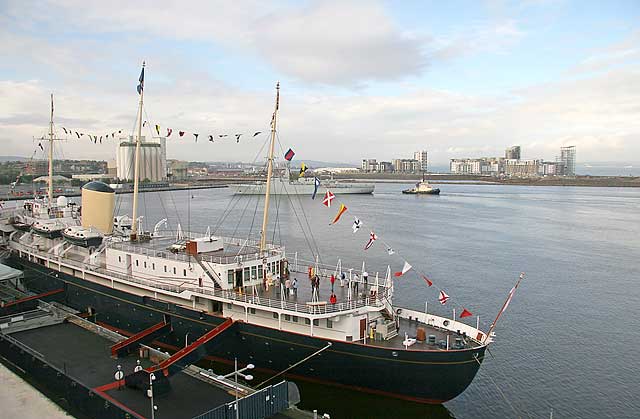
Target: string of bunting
[
  {"x": 169, "y": 132},
  {"x": 328, "y": 201}
]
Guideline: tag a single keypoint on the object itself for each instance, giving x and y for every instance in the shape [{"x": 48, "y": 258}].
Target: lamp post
[
  {"x": 152, "y": 377},
  {"x": 235, "y": 373}
]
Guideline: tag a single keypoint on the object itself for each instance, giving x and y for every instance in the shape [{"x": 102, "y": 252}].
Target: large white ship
[
  {"x": 302, "y": 186},
  {"x": 206, "y": 285}
]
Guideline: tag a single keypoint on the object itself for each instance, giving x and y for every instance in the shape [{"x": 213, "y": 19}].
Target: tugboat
[
  {"x": 361, "y": 339},
  {"x": 422, "y": 188}
]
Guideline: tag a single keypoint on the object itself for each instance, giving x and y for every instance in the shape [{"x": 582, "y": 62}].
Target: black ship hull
[
  {"x": 435, "y": 191},
  {"x": 421, "y": 376},
  {"x": 49, "y": 234}
]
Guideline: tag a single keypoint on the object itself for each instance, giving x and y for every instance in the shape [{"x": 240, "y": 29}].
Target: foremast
[
  {"x": 265, "y": 215},
  {"x": 136, "y": 170},
  {"x": 50, "y": 191}
]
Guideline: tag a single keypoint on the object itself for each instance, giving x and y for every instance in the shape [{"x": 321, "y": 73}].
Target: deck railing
[{"x": 255, "y": 301}]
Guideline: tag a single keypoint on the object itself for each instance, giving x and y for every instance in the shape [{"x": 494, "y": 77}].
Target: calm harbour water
[{"x": 567, "y": 342}]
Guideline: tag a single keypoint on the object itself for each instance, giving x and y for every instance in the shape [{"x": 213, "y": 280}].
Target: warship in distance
[{"x": 130, "y": 281}]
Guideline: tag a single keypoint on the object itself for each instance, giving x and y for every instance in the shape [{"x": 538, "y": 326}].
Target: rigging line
[
  {"x": 255, "y": 211},
  {"x": 295, "y": 212},
  {"x": 302, "y": 209},
  {"x": 235, "y": 198},
  {"x": 277, "y": 219},
  {"x": 475, "y": 356},
  {"x": 239, "y": 221}
]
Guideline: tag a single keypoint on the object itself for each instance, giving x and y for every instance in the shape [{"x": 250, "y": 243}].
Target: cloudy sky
[{"x": 376, "y": 79}]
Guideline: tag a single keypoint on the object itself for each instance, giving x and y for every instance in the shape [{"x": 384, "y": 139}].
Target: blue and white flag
[
  {"x": 141, "y": 80},
  {"x": 316, "y": 185}
]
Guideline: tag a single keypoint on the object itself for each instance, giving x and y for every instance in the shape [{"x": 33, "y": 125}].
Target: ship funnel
[{"x": 98, "y": 202}]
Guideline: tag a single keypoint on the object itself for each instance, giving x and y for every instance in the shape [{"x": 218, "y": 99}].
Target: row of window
[
  {"x": 294, "y": 319},
  {"x": 153, "y": 266},
  {"x": 251, "y": 273}
]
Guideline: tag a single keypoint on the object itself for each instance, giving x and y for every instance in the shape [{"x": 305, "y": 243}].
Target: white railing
[{"x": 255, "y": 301}]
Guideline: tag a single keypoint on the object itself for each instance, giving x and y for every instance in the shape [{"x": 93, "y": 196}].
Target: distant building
[
  {"x": 153, "y": 159},
  {"x": 112, "y": 168},
  {"x": 550, "y": 168},
  {"x": 406, "y": 166},
  {"x": 421, "y": 156},
  {"x": 513, "y": 167},
  {"x": 369, "y": 165},
  {"x": 568, "y": 160},
  {"x": 512, "y": 153},
  {"x": 385, "y": 167},
  {"x": 481, "y": 166}
]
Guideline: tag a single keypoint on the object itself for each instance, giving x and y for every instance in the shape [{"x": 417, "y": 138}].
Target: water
[{"x": 566, "y": 342}]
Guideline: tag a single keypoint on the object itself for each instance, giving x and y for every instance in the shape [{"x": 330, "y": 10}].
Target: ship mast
[
  {"x": 51, "y": 155},
  {"x": 136, "y": 170},
  {"x": 265, "y": 216}
]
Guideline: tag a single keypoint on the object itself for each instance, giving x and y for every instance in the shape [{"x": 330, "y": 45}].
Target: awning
[{"x": 7, "y": 272}]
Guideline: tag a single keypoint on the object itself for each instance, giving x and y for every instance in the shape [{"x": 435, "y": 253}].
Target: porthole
[{"x": 446, "y": 322}]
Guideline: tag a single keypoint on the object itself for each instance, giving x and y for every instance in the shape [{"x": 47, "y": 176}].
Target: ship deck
[
  {"x": 85, "y": 356},
  {"x": 410, "y": 329}
]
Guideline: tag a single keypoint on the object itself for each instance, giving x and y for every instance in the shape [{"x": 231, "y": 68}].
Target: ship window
[
  {"x": 260, "y": 272},
  {"x": 153, "y": 266},
  {"x": 246, "y": 275},
  {"x": 316, "y": 322},
  {"x": 349, "y": 338},
  {"x": 119, "y": 258},
  {"x": 252, "y": 310},
  {"x": 253, "y": 272},
  {"x": 145, "y": 264},
  {"x": 184, "y": 272},
  {"x": 307, "y": 321},
  {"x": 230, "y": 276},
  {"x": 329, "y": 324},
  {"x": 287, "y": 317},
  {"x": 275, "y": 315},
  {"x": 174, "y": 270},
  {"x": 165, "y": 268},
  {"x": 229, "y": 305},
  {"x": 137, "y": 263},
  {"x": 295, "y": 318}
]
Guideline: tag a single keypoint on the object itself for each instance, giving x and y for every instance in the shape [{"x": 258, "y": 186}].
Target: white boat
[{"x": 302, "y": 186}]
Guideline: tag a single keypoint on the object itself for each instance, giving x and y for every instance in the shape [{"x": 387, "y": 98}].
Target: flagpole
[
  {"x": 265, "y": 216},
  {"x": 136, "y": 170},
  {"x": 50, "y": 191},
  {"x": 504, "y": 306}
]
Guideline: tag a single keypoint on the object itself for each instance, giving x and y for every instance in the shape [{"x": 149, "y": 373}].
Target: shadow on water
[{"x": 350, "y": 404}]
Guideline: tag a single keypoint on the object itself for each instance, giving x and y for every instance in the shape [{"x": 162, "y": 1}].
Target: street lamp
[
  {"x": 152, "y": 378},
  {"x": 237, "y": 373}
]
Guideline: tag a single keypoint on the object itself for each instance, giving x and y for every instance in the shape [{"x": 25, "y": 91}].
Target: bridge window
[
  {"x": 275, "y": 315},
  {"x": 252, "y": 310},
  {"x": 307, "y": 321},
  {"x": 295, "y": 318},
  {"x": 230, "y": 276},
  {"x": 287, "y": 317},
  {"x": 260, "y": 272},
  {"x": 246, "y": 277},
  {"x": 329, "y": 324},
  {"x": 253, "y": 272}
]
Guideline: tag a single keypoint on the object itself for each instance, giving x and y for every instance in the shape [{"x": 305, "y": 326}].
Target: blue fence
[{"x": 259, "y": 405}]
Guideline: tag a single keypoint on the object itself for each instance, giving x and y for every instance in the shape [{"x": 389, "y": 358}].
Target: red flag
[
  {"x": 428, "y": 280},
  {"x": 406, "y": 268},
  {"x": 465, "y": 313},
  {"x": 443, "y": 298},
  {"x": 181, "y": 133},
  {"x": 169, "y": 131},
  {"x": 328, "y": 197},
  {"x": 342, "y": 210}
]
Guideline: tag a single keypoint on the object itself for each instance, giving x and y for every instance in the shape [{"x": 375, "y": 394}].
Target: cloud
[{"x": 342, "y": 43}]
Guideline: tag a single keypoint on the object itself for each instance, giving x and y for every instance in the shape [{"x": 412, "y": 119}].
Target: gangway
[
  {"x": 176, "y": 362},
  {"x": 124, "y": 347},
  {"x": 189, "y": 354}
]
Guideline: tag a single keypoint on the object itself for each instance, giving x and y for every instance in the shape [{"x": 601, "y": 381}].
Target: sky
[{"x": 359, "y": 79}]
